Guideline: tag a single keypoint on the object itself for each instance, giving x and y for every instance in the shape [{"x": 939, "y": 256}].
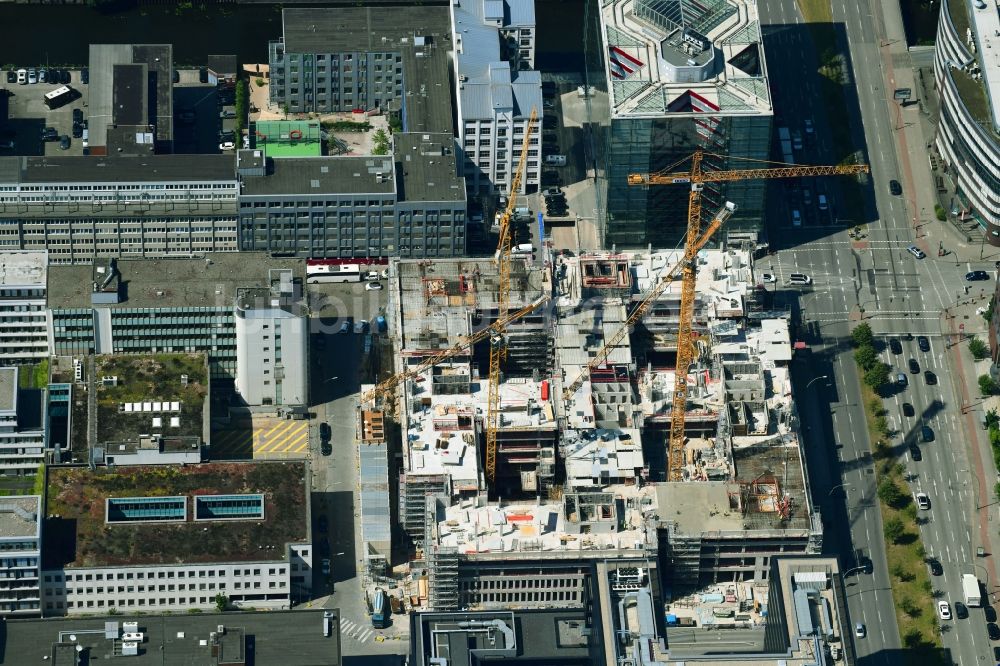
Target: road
[{"x": 874, "y": 279}]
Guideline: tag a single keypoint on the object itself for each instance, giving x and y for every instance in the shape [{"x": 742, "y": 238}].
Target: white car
[
  {"x": 32, "y": 76},
  {"x": 923, "y": 501},
  {"x": 859, "y": 630},
  {"x": 22, "y": 76},
  {"x": 768, "y": 278},
  {"x": 385, "y": 273},
  {"x": 799, "y": 278},
  {"x": 227, "y": 145},
  {"x": 373, "y": 286},
  {"x": 944, "y": 610}
]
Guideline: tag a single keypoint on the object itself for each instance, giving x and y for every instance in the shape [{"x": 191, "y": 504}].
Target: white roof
[{"x": 986, "y": 23}]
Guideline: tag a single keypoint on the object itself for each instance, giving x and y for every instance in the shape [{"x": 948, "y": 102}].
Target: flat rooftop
[
  {"x": 290, "y": 638},
  {"x": 428, "y": 86},
  {"x": 117, "y": 169},
  {"x": 109, "y": 95},
  {"x": 8, "y": 389},
  {"x": 161, "y": 394},
  {"x": 711, "y": 63},
  {"x": 365, "y": 29},
  {"x": 20, "y": 516},
  {"x": 275, "y": 138},
  {"x": 543, "y": 527},
  {"x": 319, "y": 176},
  {"x": 986, "y": 25},
  {"x": 79, "y": 536},
  {"x": 426, "y": 167},
  {"x": 23, "y": 269},
  {"x": 529, "y": 636},
  {"x": 171, "y": 283},
  {"x": 434, "y": 299}
]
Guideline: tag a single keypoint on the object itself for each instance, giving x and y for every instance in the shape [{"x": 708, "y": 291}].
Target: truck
[
  {"x": 380, "y": 612},
  {"x": 970, "y": 587}
]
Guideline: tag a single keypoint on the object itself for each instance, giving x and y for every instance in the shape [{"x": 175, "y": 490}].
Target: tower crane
[
  {"x": 498, "y": 339},
  {"x": 695, "y": 239}
]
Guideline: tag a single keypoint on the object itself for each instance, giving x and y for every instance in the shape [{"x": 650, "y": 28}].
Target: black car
[
  {"x": 84, "y": 75},
  {"x": 64, "y": 142},
  {"x": 934, "y": 566},
  {"x": 907, "y": 409},
  {"x": 976, "y": 276},
  {"x": 325, "y": 432},
  {"x": 202, "y": 75},
  {"x": 914, "y": 367},
  {"x": 77, "y": 115},
  {"x": 915, "y": 453},
  {"x": 895, "y": 346},
  {"x": 990, "y": 613},
  {"x": 325, "y": 448},
  {"x": 77, "y": 130},
  {"x": 176, "y": 76},
  {"x": 926, "y": 434},
  {"x": 961, "y": 612},
  {"x": 923, "y": 343},
  {"x": 11, "y": 76},
  {"x": 930, "y": 378},
  {"x": 895, "y": 189},
  {"x": 993, "y": 631}
]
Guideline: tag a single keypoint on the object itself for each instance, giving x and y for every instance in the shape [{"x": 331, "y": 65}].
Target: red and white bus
[{"x": 316, "y": 273}]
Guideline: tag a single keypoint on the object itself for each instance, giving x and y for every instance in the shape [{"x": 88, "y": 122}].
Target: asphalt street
[{"x": 873, "y": 279}]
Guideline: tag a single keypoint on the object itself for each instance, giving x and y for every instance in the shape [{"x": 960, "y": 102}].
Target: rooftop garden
[{"x": 80, "y": 537}]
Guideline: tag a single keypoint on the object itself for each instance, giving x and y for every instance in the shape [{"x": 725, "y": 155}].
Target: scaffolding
[{"x": 413, "y": 493}]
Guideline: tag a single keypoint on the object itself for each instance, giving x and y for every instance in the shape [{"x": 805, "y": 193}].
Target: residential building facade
[
  {"x": 23, "y": 321},
  {"x": 497, "y": 92},
  {"x": 20, "y": 555},
  {"x": 22, "y": 435},
  {"x": 968, "y": 82}
]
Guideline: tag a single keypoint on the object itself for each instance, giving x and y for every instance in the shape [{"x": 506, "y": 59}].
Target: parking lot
[{"x": 24, "y": 115}]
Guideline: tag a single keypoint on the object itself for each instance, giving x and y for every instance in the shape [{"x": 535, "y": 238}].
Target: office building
[
  {"x": 356, "y": 59},
  {"x": 81, "y": 208},
  {"x": 668, "y": 78},
  {"x": 155, "y": 306},
  {"x": 22, "y": 435},
  {"x": 967, "y": 74},
  {"x": 22, "y": 307},
  {"x": 497, "y": 91},
  {"x": 130, "y": 108},
  {"x": 272, "y": 331},
  {"x": 409, "y": 204},
  {"x": 160, "y": 547},
  {"x": 21, "y": 559}
]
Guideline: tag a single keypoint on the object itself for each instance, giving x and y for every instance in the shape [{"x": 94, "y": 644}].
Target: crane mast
[{"x": 498, "y": 335}]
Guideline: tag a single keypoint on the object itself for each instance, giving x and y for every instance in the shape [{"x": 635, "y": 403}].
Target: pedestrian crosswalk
[{"x": 358, "y": 632}]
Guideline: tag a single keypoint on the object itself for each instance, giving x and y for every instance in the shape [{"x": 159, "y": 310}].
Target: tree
[
  {"x": 979, "y": 349},
  {"x": 909, "y": 607},
  {"x": 992, "y": 419},
  {"x": 221, "y": 602},
  {"x": 894, "y": 529},
  {"x": 912, "y": 638},
  {"x": 939, "y": 212},
  {"x": 865, "y": 356},
  {"x": 862, "y": 335},
  {"x": 241, "y": 107},
  {"x": 889, "y": 492},
  {"x": 380, "y": 142},
  {"x": 877, "y": 376},
  {"x": 986, "y": 385}
]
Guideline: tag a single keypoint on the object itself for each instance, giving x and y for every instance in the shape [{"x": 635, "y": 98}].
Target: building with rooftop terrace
[
  {"x": 155, "y": 306},
  {"x": 360, "y": 59},
  {"x": 668, "y": 78},
  {"x": 409, "y": 204},
  {"x": 22, "y": 431},
  {"x": 155, "y": 539},
  {"x": 967, "y": 73},
  {"x": 82, "y": 208},
  {"x": 497, "y": 91},
  {"x": 21, "y": 559},
  {"x": 22, "y": 307}
]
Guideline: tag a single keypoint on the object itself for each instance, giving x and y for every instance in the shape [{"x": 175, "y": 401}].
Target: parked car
[
  {"x": 64, "y": 142},
  {"x": 85, "y": 75},
  {"x": 43, "y": 75},
  {"x": 32, "y": 76},
  {"x": 11, "y": 76},
  {"x": 373, "y": 286},
  {"x": 993, "y": 631},
  {"x": 552, "y": 192},
  {"x": 77, "y": 130},
  {"x": 325, "y": 448},
  {"x": 77, "y": 115},
  {"x": 325, "y": 566},
  {"x": 325, "y": 432},
  {"x": 227, "y": 145},
  {"x": 22, "y": 76}
]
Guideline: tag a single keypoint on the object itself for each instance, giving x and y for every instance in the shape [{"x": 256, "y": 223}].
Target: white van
[
  {"x": 796, "y": 218},
  {"x": 555, "y": 160},
  {"x": 799, "y": 278},
  {"x": 371, "y": 276},
  {"x": 86, "y": 137},
  {"x": 524, "y": 248},
  {"x": 821, "y": 199}
]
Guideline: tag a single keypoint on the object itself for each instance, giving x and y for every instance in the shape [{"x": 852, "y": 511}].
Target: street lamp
[{"x": 815, "y": 379}]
